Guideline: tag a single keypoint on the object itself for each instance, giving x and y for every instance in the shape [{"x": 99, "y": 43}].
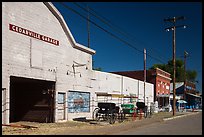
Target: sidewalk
[
  {"x": 86, "y": 128},
  {"x": 182, "y": 114}
]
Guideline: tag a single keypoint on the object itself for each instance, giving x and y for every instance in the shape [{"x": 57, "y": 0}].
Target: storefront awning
[
  {"x": 114, "y": 95},
  {"x": 194, "y": 95},
  {"x": 163, "y": 95}
]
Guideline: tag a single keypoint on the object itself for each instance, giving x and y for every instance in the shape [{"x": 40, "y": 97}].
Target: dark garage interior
[{"x": 31, "y": 100}]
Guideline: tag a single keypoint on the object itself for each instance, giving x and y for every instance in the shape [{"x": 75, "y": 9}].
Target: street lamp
[{"x": 173, "y": 28}]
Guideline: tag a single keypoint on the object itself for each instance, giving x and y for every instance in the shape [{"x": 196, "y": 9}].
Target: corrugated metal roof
[{"x": 177, "y": 85}]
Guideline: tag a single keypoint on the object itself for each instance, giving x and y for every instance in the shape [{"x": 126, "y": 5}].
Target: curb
[{"x": 174, "y": 117}]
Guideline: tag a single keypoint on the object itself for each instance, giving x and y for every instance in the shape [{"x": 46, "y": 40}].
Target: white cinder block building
[{"x": 46, "y": 75}]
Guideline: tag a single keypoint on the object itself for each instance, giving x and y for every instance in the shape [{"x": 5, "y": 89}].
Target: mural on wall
[{"x": 78, "y": 101}]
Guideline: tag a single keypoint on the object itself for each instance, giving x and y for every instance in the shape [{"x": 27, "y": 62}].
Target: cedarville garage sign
[{"x": 33, "y": 34}]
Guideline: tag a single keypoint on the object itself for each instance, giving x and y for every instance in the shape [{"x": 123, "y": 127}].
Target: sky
[{"x": 120, "y": 31}]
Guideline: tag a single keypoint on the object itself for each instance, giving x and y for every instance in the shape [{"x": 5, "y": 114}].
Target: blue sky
[{"x": 143, "y": 22}]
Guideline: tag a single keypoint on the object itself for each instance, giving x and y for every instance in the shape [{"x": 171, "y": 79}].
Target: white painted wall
[
  {"x": 57, "y": 61},
  {"x": 117, "y": 84}
]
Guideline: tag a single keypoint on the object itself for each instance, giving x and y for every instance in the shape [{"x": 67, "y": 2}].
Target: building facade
[
  {"x": 46, "y": 75},
  {"x": 159, "y": 78},
  {"x": 187, "y": 93}
]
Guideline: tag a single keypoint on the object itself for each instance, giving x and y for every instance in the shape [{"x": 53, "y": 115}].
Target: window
[{"x": 61, "y": 98}]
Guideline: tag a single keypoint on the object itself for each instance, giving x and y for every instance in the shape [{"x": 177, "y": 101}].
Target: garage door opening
[{"x": 31, "y": 100}]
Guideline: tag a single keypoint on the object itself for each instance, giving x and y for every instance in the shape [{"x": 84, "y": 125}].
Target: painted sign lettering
[{"x": 33, "y": 34}]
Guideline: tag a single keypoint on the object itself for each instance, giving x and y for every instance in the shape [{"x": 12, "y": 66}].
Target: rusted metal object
[
  {"x": 134, "y": 115},
  {"x": 140, "y": 115}
]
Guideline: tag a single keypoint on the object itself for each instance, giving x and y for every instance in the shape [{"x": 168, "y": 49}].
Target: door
[
  {"x": 61, "y": 106},
  {"x": 3, "y": 105},
  {"x": 31, "y": 100}
]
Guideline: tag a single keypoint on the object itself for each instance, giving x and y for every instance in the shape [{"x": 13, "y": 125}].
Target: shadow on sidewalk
[{"x": 82, "y": 119}]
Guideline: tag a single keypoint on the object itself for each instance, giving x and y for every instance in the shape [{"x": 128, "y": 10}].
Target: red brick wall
[
  {"x": 161, "y": 83},
  {"x": 162, "y": 86}
]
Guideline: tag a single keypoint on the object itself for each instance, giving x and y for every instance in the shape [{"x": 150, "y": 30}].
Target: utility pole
[
  {"x": 144, "y": 72},
  {"x": 88, "y": 27},
  {"x": 185, "y": 55},
  {"x": 173, "y": 20},
  {"x": 174, "y": 68}
]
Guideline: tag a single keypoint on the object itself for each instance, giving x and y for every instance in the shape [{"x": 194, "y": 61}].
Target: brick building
[{"x": 159, "y": 78}]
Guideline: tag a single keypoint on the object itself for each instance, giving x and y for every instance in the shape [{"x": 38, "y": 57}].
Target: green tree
[
  {"x": 96, "y": 68},
  {"x": 190, "y": 74}
]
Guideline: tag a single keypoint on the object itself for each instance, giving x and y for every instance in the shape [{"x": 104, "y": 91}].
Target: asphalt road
[{"x": 188, "y": 125}]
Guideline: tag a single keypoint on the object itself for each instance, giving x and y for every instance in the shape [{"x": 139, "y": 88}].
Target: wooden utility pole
[
  {"x": 88, "y": 27},
  {"x": 174, "y": 71},
  {"x": 173, "y": 20},
  {"x": 144, "y": 72}
]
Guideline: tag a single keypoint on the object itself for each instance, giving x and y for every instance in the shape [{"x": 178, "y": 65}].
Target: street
[{"x": 189, "y": 125}]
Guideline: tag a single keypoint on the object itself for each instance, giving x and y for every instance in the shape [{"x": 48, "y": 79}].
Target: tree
[
  {"x": 190, "y": 74},
  {"x": 96, "y": 68}
]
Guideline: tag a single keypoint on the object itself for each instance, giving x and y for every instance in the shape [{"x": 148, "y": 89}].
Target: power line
[
  {"x": 153, "y": 52},
  {"x": 113, "y": 26},
  {"x": 110, "y": 25},
  {"x": 125, "y": 42},
  {"x": 102, "y": 19},
  {"x": 101, "y": 27}
]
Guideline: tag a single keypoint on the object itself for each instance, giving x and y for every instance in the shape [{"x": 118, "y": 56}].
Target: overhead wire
[
  {"x": 108, "y": 32},
  {"x": 113, "y": 26},
  {"x": 102, "y": 19}
]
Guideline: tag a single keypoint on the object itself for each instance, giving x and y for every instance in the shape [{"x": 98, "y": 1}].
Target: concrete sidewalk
[{"x": 181, "y": 114}]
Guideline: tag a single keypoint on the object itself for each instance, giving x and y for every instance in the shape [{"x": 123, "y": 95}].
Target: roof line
[
  {"x": 68, "y": 33},
  {"x": 163, "y": 71}
]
